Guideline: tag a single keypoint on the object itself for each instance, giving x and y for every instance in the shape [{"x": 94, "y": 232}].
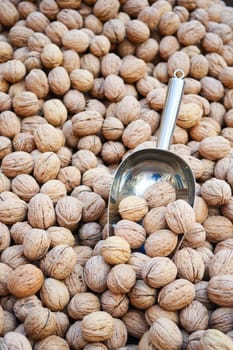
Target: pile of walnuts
[{"x": 82, "y": 85}]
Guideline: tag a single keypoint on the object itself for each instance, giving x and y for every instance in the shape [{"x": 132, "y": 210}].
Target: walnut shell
[
  {"x": 133, "y": 208},
  {"x": 12, "y": 210},
  {"x": 40, "y": 323},
  {"x": 221, "y": 263},
  {"x": 220, "y": 290},
  {"x": 132, "y": 69},
  {"x": 48, "y": 138},
  {"x": 59, "y": 81},
  {"x": 96, "y": 272},
  {"x": 115, "y": 304},
  {"x": 161, "y": 243},
  {"x": 25, "y": 186},
  {"x": 218, "y": 228},
  {"x": 46, "y": 167},
  {"x": 132, "y": 232},
  {"x": 213, "y": 339},
  {"x": 176, "y": 295},
  {"x": 97, "y": 326},
  {"x": 54, "y": 294},
  {"x": 180, "y": 216},
  {"x": 68, "y": 212},
  {"x": 82, "y": 304},
  {"x": 216, "y": 192},
  {"x": 137, "y": 261},
  {"x": 41, "y": 213},
  {"x": 23, "y": 306},
  {"x": 115, "y": 250},
  {"x": 36, "y": 243},
  {"x": 189, "y": 264},
  {"x": 160, "y": 194},
  {"x": 159, "y": 271},
  {"x": 17, "y": 340},
  {"x": 164, "y": 333},
  {"x": 87, "y": 123},
  {"x": 141, "y": 295},
  {"x": 194, "y": 317},
  {"x": 52, "y": 342},
  {"x": 16, "y": 163},
  {"x": 59, "y": 262},
  {"x": 221, "y": 319},
  {"x": 121, "y": 278},
  {"x": 135, "y": 323},
  {"x": 25, "y": 281}
]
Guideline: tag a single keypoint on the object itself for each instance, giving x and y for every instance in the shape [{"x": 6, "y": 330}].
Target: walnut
[
  {"x": 93, "y": 23},
  {"x": 221, "y": 319},
  {"x": 93, "y": 205},
  {"x": 97, "y": 326},
  {"x": 176, "y": 295},
  {"x": 55, "y": 189},
  {"x": 25, "y": 104},
  {"x": 58, "y": 235},
  {"x": 74, "y": 335},
  {"x": 128, "y": 110},
  {"x": 205, "y": 127},
  {"x": 96, "y": 272},
  {"x": 133, "y": 208},
  {"x": 17, "y": 340},
  {"x": 176, "y": 220},
  {"x": 59, "y": 81},
  {"x": 218, "y": 228},
  {"x": 112, "y": 152},
  {"x": 54, "y": 294},
  {"x": 174, "y": 62},
  {"x": 213, "y": 338},
  {"x": 161, "y": 243},
  {"x": 137, "y": 31},
  {"x": 115, "y": 304},
  {"x": 82, "y": 304},
  {"x": 14, "y": 71},
  {"x": 150, "y": 15},
  {"x": 169, "y": 23},
  {"x": 62, "y": 323},
  {"x": 76, "y": 39},
  {"x": 24, "y": 142},
  {"x": 41, "y": 213},
  {"x": 37, "y": 82},
  {"x": 191, "y": 32},
  {"x": 6, "y": 52},
  {"x": 216, "y": 192},
  {"x": 16, "y": 163},
  {"x": 25, "y": 186},
  {"x": 135, "y": 323},
  {"x": 4, "y": 237},
  {"x": 114, "y": 88},
  {"x": 121, "y": 278},
  {"x": 51, "y": 56},
  {"x": 47, "y": 166},
  {"x": 159, "y": 271},
  {"x": 25, "y": 281},
  {"x": 87, "y": 123},
  {"x": 137, "y": 261},
  {"x": 5, "y": 183},
  {"x": 37, "y": 21},
  {"x": 12, "y": 210},
  {"x": 164, "y": 333},
  {"x": 75, "y": 282},
  {"x": 23, "y": 306},
  {"x": 155, "y": 311},
  {"x": 36, "y": 244},
  {"x": 195, "y": 238},
  {"x": 82, "y": 80},
  {"x": 132, "y": 69},
  {"x": 160, "y": 194},
  {"x": 106, "y": 10},
  {"x": 115, "y": 250},
  {"x": 211, "y": 88},
  {"x": 220, "y": 264},
  {"x": 141, "y": 295},
  {"x": 132, "y": 232},
  {"x": 52, "y": 341},
  {"x": 40, "y": 323},
  {"x": 194, "y": 317}
]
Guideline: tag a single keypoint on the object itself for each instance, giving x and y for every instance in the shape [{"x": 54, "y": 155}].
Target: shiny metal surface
[{"x": 144, "y": 167}]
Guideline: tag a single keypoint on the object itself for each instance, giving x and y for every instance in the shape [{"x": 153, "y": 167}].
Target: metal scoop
[{"x": 146, "y": 166}]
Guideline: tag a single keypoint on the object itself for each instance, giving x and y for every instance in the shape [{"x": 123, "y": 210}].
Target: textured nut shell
[
  {"x": 220, "y": 290},
  {"x": 40, "y": 323},
  {"x": 132, "y": 232},
  {"x": 214, "y": 339},
  {"x": 12, "y": 210},
  {"x": 159, "y": 271},
  {"x": 160, "y": 243},
  {"x": 194, "y": 317},
  {"x": 133, "y": 208},
  {"x": 115, "y": 250},
  {"x": 68, "y": 212},
  {"x": 189, "y": 264},
  {"x": 83, "y": 304},
  {"x": 17, "y": 341},
  {"x": 180, "y": 216},
  {"x": 41, "y": 213},
  {"x": 97, "y": 326},
  {"x": 164, "y": 333},
  {"x": 16, "y": 163},
  {"x": 59, "y": 262},
  {"x": 176, "y": 295},
  {"x": 221, "y": 263},
  {"x": 36, "y": 243},
  {"x": 25, "y": 280},
  {"x": 141, "y": 295},
  {"x": 155, "y": 311},
  {"x": 23, "y": 306},
  {"x": 160, "y": 194},
  {"x": 115, "y": 304},
  {"x": 121, "y": 278},
  {"x": 54, "y": 294},
  {"x": 96, "y": 272},
  {"x": 52, "y": 342}
]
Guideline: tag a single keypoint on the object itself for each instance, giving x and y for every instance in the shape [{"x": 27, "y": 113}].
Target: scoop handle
[{"x": 171, "y": 109}]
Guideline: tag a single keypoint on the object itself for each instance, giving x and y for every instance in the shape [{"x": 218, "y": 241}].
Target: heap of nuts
[{"x": 82, "y": 85}]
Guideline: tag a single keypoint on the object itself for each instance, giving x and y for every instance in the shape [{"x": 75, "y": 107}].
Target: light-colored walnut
[
  {"x": 221, "y": 319},
  {"x": 59, "y": 81},
  {"x": 40, "y": 323},
  {"x": 115, "y": 250},
  {"x": 194, "y": 317},
  {"x": 25, "y": 104},
  {"x": 159, "y": 271},
  {"x": 97, "y": 326},
  {"x": 180, "y": 216},
  {"x": 74, "y": 335},
  {"x": 25, "y": 281},
  {"x": 59, "y": 262},
  {"x": 25, "y": 186},
  {"x": 76, "y": 39},
  {"x": 96, "y": 272},
  {"x": 161, "y": 242},
  {"x": 121, "y": 278},
  {"x": 115, "y": 304},
  {"x": 218, "y": 228},
  {"x": 41, "y": 212},
  {"x": 62, "y": 323},
  {"x": 137, "y": 260},
  {"x": 141, "y": 295},
  {"x": 52, "y": 342},
  {"x": 54, "y": 294},
  {"x": 213, "y": 338},
  {"x": 16, "y": 163},
  {"x": 132, "y": 232},
  {"x": 17, "y": 340},
  {"x": 87, "y": 123},
  {"x": 12, "y": 210},
  {"x": 132, "y": 69},
  {"x": 176, "y": 295},
  {"x": 133, "y": 208},
  {"x": 35, "y": 244},
  {"x": 164, "y": 333},
  {"x": 47, "y": 166},
  {"x": 55, "y": 189},
  {"x": 82, "y": 304},
  {"x": 160, "y": 194}
]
